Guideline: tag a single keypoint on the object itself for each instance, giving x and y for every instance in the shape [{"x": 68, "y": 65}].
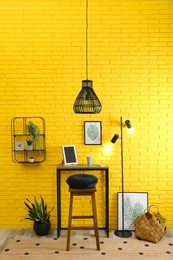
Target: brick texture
[{"x": 42, "y": 64}]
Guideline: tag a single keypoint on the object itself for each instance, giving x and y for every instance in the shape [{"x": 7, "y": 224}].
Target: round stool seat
[{"x": 82, "y": 181}]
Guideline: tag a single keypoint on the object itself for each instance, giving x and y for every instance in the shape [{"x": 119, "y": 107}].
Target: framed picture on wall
[
  {"x": 19, "y": 146},
  {"x": 92, "y": 132},
  {"x": 135, "y": 204}
]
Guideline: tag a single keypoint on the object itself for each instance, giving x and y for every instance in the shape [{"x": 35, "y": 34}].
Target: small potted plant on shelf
[
  {"x": 29, "y": 146},
  {"x": 38, "y": 213},
  {"x": 34, "y": 131},
  {"x": 31, "y": 159}
]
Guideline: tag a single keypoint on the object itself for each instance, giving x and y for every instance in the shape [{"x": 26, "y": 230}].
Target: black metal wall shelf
[{"x": 22, "y": 130}]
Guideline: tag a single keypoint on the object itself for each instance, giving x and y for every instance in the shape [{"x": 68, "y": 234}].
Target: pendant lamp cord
[{"x": 87, "y": 39}]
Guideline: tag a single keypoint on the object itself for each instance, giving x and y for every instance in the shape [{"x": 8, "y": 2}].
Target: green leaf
[{"x": 37, "y": 211}]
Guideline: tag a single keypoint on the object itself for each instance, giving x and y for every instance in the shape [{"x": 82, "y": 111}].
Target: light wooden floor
[{"x": 29, "y": 233}]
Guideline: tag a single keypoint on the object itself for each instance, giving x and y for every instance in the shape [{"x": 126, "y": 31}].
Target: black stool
[{"x": 82, "y": 185}]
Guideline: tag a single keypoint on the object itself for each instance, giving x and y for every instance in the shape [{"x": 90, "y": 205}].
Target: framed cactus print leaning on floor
[
  {"x": 135, "y": 204},
  {"x": 92, "y": 132}
]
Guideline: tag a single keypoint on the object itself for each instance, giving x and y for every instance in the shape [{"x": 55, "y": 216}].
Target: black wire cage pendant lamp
[{"x": 87, "y": 101}]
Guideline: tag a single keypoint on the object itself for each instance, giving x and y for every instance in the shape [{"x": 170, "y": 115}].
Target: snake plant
[{"x": 37, "y": 212}]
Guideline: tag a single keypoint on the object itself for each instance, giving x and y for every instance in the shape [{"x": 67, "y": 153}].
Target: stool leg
[
  {"x": 95, "y": 221},
  {"x": 69, "y": 222}
]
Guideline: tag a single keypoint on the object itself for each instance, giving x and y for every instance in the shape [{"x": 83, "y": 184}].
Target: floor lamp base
[{"x": 123, "y": 233}]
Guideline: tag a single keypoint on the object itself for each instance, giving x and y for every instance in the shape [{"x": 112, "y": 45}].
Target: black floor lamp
[{"x": 122, "y": 233}]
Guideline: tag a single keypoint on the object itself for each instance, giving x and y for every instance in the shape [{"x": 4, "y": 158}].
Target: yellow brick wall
[{"x": 42, "y": 64}]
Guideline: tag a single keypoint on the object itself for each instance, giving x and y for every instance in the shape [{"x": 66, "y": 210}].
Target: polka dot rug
[{"x": 85, "y": 249}]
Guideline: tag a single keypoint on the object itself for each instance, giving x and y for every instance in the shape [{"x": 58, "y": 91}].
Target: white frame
[
  {"x": 89, "y": 128},
  {"x": 19, "y": 146},
  {"x": 135, "y": 200},
  {"x": 74, "y": 154}
]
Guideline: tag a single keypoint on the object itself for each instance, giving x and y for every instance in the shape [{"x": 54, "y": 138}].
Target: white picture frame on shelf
[
  {"x": 135, "y": 204},
  {"x": 19, "y": 146}
]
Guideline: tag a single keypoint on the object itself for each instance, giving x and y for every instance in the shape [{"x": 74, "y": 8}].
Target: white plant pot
[
  {"x": 31, "y": 160},
  {"x": 29, "y": 147}
]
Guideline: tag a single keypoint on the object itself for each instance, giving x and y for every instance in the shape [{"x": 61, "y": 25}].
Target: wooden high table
[{"x": 76, "y": 168}]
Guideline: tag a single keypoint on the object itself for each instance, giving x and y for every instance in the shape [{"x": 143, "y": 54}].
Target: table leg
[
  {"x": 58, "y": 203},
  {"x": 107, "y": 202}
]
